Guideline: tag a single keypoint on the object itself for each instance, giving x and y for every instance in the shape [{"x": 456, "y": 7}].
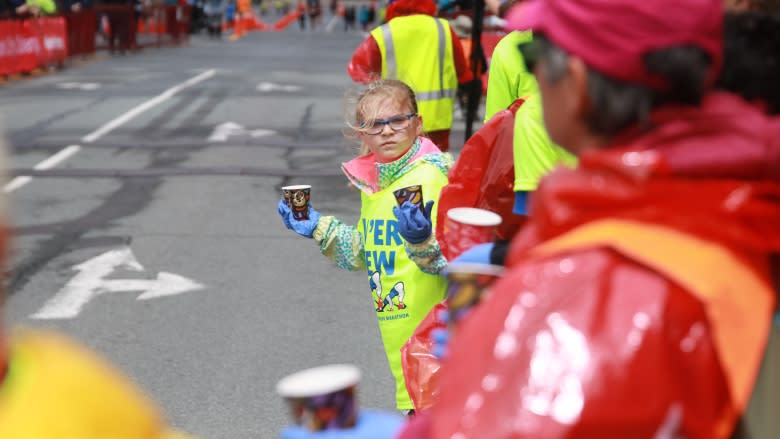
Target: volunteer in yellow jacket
[
  {"x": 393, "y": 157},
  {"x": 508, "y": 78},
  {"x": 423, "y": 51},
  {"x": 53, "y": 388}
]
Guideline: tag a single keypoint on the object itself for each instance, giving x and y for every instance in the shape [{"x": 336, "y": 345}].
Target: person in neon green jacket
[
  {"x": 508, "y": 78},
  {"x": 47, "y": 7},
  {"x": 394, "y": 156}
]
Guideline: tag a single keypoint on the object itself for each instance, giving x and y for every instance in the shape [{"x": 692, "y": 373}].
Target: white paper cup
[{"x": 322, "y": 398}]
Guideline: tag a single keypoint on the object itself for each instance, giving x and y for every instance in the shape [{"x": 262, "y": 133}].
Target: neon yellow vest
[
  {"x": 417, "y": 49},
  {"x": 406, "y": 293},
  {"x": 534, "y": 153}
]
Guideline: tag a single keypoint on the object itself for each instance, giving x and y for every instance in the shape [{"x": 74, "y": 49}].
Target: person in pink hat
[
  {"x": 610, "y": 321},
  {"x": 639, "y": 297}
]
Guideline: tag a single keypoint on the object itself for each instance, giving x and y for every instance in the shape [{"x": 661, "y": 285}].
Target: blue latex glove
[
  {"x": 371, "y": 424},
  {"x": 479, "y": 254},
  {"x": 414, "y": 224},
  {"x": 283, "y": 209},
  {"x": 441, "y": 336},
  {"x": 303, "y": 227}
]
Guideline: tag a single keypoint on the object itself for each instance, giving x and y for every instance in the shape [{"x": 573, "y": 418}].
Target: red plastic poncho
[
  {"x": 483, "y": 176},
  {"x": 589, "y": 342},
  {"x": 421, "y": 366}
]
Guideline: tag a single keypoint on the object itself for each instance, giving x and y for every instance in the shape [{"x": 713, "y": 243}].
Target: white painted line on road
[
  {"x": 224, "y": 130},
  {"x": 68, "y": 151},
  {"x": 162, "y": 97},
  {"x": 270, "y": 86},
  {"x": 49, "y": 163},
  {"x": 79, "y": 85}
]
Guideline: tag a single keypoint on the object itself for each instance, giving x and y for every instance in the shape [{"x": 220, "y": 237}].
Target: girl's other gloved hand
[
  {"x": 283, "y": 211},
  {"x": 370, "y": 425},
  {"x": 479, "y": 254},
  {"x": 441, "y": 336},
  {"x": 304, "y": 227},
  {"x": 414, "y": 224}
]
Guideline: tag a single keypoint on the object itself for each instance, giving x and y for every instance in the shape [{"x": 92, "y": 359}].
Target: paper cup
[
  {"x": 466, "y": 227},
  {"x": 322, "y": 398},
  {"x": 412, "y": 194},
  {"x": 467, "y": 284},
  {"x": 297, "y": 198}
]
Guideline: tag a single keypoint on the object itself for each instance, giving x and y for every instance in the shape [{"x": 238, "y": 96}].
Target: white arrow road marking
[
  {"x": 79, "y": 85},
  {"x": 90, "y": 282},
  {"x": 261, "y": 133},
  {"x": 224, "y": 130},
  {"x": 270, "y": 86}
]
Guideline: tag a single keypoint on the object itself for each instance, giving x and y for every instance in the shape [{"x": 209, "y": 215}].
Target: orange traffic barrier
[{"x": 285, "y": 21}]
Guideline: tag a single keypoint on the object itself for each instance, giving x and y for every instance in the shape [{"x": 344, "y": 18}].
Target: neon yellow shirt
[
  {"x": 48, "y": 7},
  {"x": 534, "y": 153},
  {"x": 508, "y": 79}
]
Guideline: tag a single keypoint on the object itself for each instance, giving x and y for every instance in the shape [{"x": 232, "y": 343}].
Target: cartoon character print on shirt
[
  {"x": 299, "y": 202},
  {"x": 393, "y": 298},
  {"x": 384, "y": 239}
]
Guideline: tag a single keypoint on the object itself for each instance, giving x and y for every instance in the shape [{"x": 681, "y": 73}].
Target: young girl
[{"x": 393, "y": 156}]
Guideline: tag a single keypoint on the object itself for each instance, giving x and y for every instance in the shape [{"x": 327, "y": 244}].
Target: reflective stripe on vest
[
  {"x": 404, "y": 59},
  {"x": 738, "y": 303}
]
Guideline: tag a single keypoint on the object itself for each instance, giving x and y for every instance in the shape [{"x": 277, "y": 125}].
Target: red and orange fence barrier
[{"x": 26, "y": 45}]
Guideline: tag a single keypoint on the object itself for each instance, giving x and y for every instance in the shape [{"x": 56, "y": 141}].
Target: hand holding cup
[
  {"x": 297, "y": 199},
  {"x": 322, "y": 398}
]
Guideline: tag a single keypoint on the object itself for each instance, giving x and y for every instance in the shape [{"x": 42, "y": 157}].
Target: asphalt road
[{"x": 131, "y": 177}]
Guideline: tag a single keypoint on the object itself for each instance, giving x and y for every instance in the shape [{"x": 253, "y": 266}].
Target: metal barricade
[
  {"x": 81, "y": 27},
  {"x": 161, "y": 25}
]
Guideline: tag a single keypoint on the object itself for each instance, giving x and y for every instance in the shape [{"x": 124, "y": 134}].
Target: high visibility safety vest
[
  {"x": 737, "y": 301},
  {"x": 417, "y": 49},
  {"x": 402, "y": 293}
]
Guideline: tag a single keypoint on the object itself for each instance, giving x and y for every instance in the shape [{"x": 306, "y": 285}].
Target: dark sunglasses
[{"x": 530, "y": 52}]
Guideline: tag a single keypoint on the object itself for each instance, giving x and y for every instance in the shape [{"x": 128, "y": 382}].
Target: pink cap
[{"x": 612, "y": 36}]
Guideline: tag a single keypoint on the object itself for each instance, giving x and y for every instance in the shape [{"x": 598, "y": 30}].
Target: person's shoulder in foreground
[{"x": 56, "y": 388}]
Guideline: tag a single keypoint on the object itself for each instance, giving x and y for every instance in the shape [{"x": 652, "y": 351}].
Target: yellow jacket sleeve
[{"x": 56, "y": 389}]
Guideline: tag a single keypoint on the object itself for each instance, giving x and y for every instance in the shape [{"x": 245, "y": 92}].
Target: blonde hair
[{"x": 369, "y": 101}]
